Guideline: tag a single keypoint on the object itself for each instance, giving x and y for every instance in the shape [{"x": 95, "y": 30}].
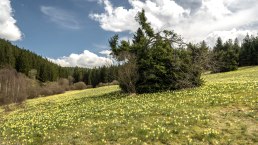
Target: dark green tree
[
  {"x": 200, "y": 55},
  {"x": 22, "y": 63},
  {"x": 225, "y": 56},
  {"x": 246, "y": 52},
  {"x": 160, "y": 66},
  {"x": 77, "y": 75}
]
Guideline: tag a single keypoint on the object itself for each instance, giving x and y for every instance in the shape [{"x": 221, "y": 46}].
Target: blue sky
[
  {"x": 49, "y": 36},
  {"x": 76, "y": 32}
]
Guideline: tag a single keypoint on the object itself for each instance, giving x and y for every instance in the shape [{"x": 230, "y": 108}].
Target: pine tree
[
  {"x": 225, "y": 56},
  {"x": 246, "y": 52},
  {"x": 77, "y": 75},
  {"x": 22, "y": 64}
]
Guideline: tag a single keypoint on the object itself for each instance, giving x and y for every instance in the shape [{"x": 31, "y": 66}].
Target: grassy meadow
[{"x": 223, "y": 111}]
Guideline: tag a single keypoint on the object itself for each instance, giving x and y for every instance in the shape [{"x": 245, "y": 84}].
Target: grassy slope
[{"x": 223, "y": 111}]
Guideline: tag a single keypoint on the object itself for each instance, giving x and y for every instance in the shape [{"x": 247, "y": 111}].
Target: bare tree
[
  {"x": 127, "y": 73},
  {"x": 13, "y": 86}
]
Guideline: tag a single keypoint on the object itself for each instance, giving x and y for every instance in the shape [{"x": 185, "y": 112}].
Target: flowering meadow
[{"x": 223, "y": 111}]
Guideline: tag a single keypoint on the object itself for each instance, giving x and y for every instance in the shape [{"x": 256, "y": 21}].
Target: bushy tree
[{"x": 159, "y": 65}]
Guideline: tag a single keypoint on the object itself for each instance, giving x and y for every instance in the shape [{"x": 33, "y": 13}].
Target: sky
[{"x": 76, "y": 32}]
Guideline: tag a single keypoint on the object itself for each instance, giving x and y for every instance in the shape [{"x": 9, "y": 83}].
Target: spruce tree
[{"x": 160, "y": 66}]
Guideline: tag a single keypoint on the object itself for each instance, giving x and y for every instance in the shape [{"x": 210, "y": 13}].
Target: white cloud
[
  {"x": 8, "y": 27},
  {"x": 99, "y": 1},
  {"x": 119, "y": 19},
  {"x": 225, "y": 35},
  {"x": 116, "y": 19},
  {"x": 61, "y": 17},
  {"x": 86, "y": 59},
  {"x": 101, "y": 46},
  {"x": 105, "y": 52},
  {"x": 194, "y": 24}
]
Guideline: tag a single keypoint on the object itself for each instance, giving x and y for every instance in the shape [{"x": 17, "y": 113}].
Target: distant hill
[
  {"x": 27, "y": 62},
  {"x": 42, "y": 69}
]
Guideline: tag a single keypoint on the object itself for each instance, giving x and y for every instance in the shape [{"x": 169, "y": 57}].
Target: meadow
[{"x": 223, "y": 111}]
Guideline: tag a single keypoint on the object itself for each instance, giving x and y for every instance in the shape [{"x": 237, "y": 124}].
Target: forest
[{"x": 24, "y": 74}]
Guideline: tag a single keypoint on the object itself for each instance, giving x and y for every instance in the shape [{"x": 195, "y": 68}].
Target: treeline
[
  {"x": 24, "y": 74},
  {"x": 39, "y": 68},
  {"x": 94, "y": 77},
  {"x": 29, "y": 63},
  {"x": 248, "y": 54},
  {"x": 228, "y": 56},
  {"x": 16, "y": 87}
]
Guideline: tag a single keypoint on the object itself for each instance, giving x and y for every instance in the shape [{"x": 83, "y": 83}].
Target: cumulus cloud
[
  {"x": 119, "y": 19},
  {"x": 105, "y": 52},
  {"x": 61, "y": 17},
  {"x": 116, "y": 19},
  {"x": 86, "y": 59},
  {"x": 8, "y": 27},
  {"x": 225, "y": 35},
  {"x": 193, "y": 19}
]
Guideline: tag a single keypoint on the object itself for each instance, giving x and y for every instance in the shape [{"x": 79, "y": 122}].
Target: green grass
[{"x": 223, "y": 111}]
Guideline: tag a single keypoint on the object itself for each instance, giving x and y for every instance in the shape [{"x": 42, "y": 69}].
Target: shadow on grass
[{"x": 108, "y": 96}]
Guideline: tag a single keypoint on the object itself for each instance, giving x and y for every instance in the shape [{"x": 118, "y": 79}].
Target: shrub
[
  {"x": 45, "y": 92},
  {"x": 51, "y": 88},
  {"x": 102, "y": 84},
  {"x": 115, "y": 82},
  {"x": 56, "y": 88},
  {"x": 89, "y": 86},
  {"x": 64, "y": 83},
  {"x": 79, "y": 86},
  {"x": 34, "y": 89}
]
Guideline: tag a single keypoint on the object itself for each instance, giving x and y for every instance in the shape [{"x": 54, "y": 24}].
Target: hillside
[
  {"x": 40, "y": 68},
  {"x": 223, "y": 111},
  {"x": 25, "y": 61}
]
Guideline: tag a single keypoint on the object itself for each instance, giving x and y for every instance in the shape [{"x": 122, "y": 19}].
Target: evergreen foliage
[
  {"x": 225, "y": 56},
  {"x": 37, "y": 67},
  {"x": 160, "y": 66},
  {"x": 200, "y": 55},
  {"x": 249, "y": 51},
  {"x": 229, "y": 55}
]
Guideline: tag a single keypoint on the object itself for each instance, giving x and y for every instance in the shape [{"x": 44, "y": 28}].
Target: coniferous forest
[
  {"x": 33, "y": 65},
  {"x": 31, "y": 76}
]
